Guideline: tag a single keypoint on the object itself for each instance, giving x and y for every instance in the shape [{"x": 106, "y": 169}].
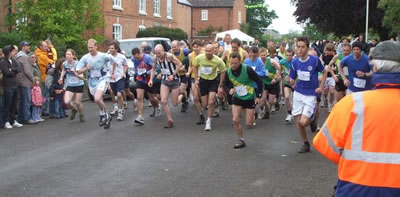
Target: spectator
[
  {"x": 1, "y": 53},
  {"x": 10, "y": 67},
  {"x": 1, "y": 97},
  {"x": 25, "y": 82},
  {"x": 51, "y": 51},
  {"x": 44, "y": 61},
  {"x": 37, "y": 100},
  {"x": 47, "y": 86},
  {"x": 35, "y": 67},
  {"x": 57, "y": 90}
]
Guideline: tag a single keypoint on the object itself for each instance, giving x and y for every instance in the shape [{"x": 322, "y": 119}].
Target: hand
[
  {"x": 150, "y": 84},
  {"x": 113, "y": 77},
  {"x": 60, "y": 81},
  {"x": 335, "y": 78},
  {"x": 124, "y": 75},
  {"x": 159, "y": 76},
  {"x": 232, "y": 91},
  {"x": 88, "y": 67},
  {"x": 187, "y": 74},
  {"x": 273, "y": 81},
  {"x": 258, "y": 101},
  {"x": 360, "y": 74},
  {"x": 287, "y": 78},
  {"x": 318, "y": 90},
  {"x": 170, "y": 78},
  {"x": 346, "y": 82},
  {"x": 220, "y": 90},
  {"x": 197, "y": 83}
]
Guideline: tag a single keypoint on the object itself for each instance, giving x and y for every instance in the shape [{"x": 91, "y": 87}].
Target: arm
[
  {"x": 253, "y": 76},
  {"x": 278, "y": 71},
  {"x": 27, "y": 68},
  {"x": 176, "y": 62}
]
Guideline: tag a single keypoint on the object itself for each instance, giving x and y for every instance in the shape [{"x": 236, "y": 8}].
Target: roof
[
  {"x": 211, "y": 3},
  {"x": 185, "y": 2}
]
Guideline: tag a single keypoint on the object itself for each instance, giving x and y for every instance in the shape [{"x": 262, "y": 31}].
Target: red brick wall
[
  {"x": 238, "y": 6},
  {"x": 217, "y": 17}
]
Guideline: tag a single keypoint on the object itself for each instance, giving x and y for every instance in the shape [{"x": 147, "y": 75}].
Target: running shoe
[
  {"x": 240, "y": 144},
  {"x": 108, "y": 121},
  {"x": 208, "y": 126},
  {"x": 305, "y": 148},
  {"x": 139, "y": 120}
]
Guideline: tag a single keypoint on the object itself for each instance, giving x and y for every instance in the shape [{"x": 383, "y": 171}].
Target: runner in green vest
[{"x": 240, "y": 81}]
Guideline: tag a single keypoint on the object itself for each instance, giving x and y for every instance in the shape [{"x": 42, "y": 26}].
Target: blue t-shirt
[
  {"x": 286, "y": 66},
  {"x": 357, "y": 83},
  {"x": 257, "y": 65},
  {"x": 99, "y": 67},
  {"x": 71, "y": 79},
  {"x": 143, "y": 68},
  {"x": 307, "y": 74}
]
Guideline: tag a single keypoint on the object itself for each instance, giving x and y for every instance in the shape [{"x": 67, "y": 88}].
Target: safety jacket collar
[{"x": 386, "y": 80}]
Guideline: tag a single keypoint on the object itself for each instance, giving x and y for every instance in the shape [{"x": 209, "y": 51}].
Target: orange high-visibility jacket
[{"x": 362, "y": 135}]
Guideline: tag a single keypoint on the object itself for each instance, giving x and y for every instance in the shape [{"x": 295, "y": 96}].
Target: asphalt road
[{"x": 67, "y": 158}]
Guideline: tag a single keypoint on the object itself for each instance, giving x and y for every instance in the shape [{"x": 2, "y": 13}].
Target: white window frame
[
  {"x": 240, "y": 17},
  {"x": 169, "y": 9},
  {"x": 142, "y": 27},
  {"x": 117, "y": 5},
  {"x": 156, "y": 8},
  {"x": 142, "y": 7},
  {"x": 204, "y": 15},
  {"x": 117, "y": 35}
]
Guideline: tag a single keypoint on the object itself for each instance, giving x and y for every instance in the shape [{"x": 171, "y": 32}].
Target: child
[
  {"x": 57, "y": 91},
  {"x": 37, "y": 100}
]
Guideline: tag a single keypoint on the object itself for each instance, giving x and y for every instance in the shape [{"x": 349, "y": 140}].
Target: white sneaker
[
  {"x": 139, "y": 120},
  {"x": 16, "y": 124},
  {"x": 329, "y": 108},
  {"x": 114, "y": 111},
  {"x": 30, "y": 121},
  {"x": 289, "y": 118},
  {"x": 134, "y": 105},
  {"x": 273, "y": 108},
  {"x": 120, "y": 116},
  {"x": 158, "y": 112},
  {"x": 150, "y": 105},
  {"x": 7, "y": 126},
  {"x": 41, "y": 120},
  {"x": 208, "y": 126},
  {"x": 261, "y": 114}
]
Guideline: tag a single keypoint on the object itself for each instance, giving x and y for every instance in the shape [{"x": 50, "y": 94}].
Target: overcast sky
[{"x": 286, "y": 21}]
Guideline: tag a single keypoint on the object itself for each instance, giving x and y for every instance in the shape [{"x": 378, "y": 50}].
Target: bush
[
  {"x": 13, "y": 38},
  {"x": 160, "y": 31}
]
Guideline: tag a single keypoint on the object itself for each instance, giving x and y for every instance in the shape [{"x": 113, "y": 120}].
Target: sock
[
  {"x": 289, "y": 112},
  {"x": 102, "y": 113},
  {"x": 209, "y": 119},
  {"x": 115, "y": 105}
]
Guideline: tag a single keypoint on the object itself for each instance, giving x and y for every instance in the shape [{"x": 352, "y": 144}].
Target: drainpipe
[{"x": 9, "y": 13}]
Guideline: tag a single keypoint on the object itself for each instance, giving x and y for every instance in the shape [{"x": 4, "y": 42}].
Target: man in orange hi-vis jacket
[{"x": 362, "y": 132}]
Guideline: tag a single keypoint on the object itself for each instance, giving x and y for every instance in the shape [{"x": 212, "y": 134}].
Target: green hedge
[{"x": 160, "y": 31}]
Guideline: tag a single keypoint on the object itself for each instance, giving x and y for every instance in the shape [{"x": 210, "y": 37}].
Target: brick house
[{"x": 220, "y": 14}]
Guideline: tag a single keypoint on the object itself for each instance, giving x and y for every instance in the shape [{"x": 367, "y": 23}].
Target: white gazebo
[{"x": 235, "y": 33}]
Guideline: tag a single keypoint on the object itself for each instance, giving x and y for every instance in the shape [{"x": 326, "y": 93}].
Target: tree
[
  {"x": 165, "y": 32},
  {"x": 66, "y": 22},
  {"x": 314, "y": 33},
  {"x": 342, "y": 17},
  {"x": 391, "y": 19},
  {"x": 258, "y": 17}
]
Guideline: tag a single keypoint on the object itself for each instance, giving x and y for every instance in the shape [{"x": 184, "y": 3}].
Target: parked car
[{"x": 128, "y": 44}]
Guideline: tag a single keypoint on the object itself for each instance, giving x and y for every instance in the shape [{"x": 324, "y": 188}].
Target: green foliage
[
  {"x": 165, "y": 32},
  {"x": 391, "y": 19},
  {"x": 7, "y": 38},
  {"x": 258, "y": 17},
  {"x": 65, "y": 22},
  {"x": 312, "y": 32},
  {"x": 208, "y": 31}
]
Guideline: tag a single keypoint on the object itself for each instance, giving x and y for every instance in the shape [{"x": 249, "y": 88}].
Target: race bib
[
  {"x": 254, "y": 68},
  {"x": 73, "y": 80},
  {"x": 346, "y": 71},
  {"x": 165, "y": 71},
  {"x": 95, "y": 73},
  {"x": 241, "y": 90},
  {"x": 206, "y": 70},
  {"x": 303, "y": 75},
  {"x": 141, "y": 71},
  {"x": 359, "y": 83},
  {"x": 266, "y": 72}
]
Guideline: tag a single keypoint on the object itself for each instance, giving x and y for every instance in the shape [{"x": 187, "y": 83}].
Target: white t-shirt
[{"x": 121, "y": 61}]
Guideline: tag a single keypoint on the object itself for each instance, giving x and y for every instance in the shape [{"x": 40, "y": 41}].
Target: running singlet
[
  {"x": 167, "y": 68},
  {"x": 243, "y": 85},
  {"x": 307, "y": 74},
  {"x": 228, "y": 58},
  {"x": 207, "y": 69},
  {"x": 270, "y": 72},
  {"x": 72, "y": 79},
  {"x": 143, "y": 68},
  {"x": 121, "y": 61},
  {"x": 180, "y": 56},
  {"x": 193, "y": 56}
]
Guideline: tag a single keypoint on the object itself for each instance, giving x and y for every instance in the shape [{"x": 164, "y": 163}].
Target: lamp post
[{"x": 366, "y": 22}]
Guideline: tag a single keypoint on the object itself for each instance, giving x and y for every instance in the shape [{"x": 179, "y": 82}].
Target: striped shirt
[{"x": 167, "y": 67}]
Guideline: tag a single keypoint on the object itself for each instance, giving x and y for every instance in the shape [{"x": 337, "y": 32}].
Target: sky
[{"x": 286, "y": 21}]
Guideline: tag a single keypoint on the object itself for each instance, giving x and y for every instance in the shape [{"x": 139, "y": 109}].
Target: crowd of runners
[{"x": 211, "y": 75}]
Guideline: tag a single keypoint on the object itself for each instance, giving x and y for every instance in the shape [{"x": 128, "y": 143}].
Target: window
[
  {"x": 142, "y": 7},
  {"x": 117, "y": 4},
  {"x": 117, "y": 32},
  {"x": 142, "y": 27},
  {"x": 204, "y": 15},
  {"x": 157, "y": 8},
  {"x": 169, "y": 9},
  {"x": 239, "y": 17}
]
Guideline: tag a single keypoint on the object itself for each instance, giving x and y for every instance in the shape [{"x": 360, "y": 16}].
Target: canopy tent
[{"x": 235, "y": 33}]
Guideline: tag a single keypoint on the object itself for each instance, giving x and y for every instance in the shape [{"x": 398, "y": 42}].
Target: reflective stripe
[
  {"x": 358, "y": 127},
  {"x": 371, "y": 157},
  {"x": 331, "y": 143}
]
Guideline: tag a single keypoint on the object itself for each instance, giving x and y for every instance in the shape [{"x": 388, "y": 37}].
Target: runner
[
  {"x": 240, "y": 80},
  {"x": 329, "y": 83},
  {"x": 236, "y": 47},
  {"x": 209, "y": 65},
  {"x": 227, "y": 42},
  {"x": 271, "y": 84},
  {"x": 74, "y": 85},
  {"x": 96, "y": 63},
  {"x": 305, "y": 69},
  {"x": 359, "y": 70},
  {"x": 196, "y": 46},
  {"x": 288, "y": 89},
  {"x": 118, "y": 76},
  {"x": 221, "y": 96},
  {"x": 170, "y": 66},
  {"x": 181, "y": 54},
  {"x": 255, "y": 62},
  {"x": 143, "y": 66}
]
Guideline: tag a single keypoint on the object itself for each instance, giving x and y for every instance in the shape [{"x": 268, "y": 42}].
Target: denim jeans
[
  {"x": 1, "y": 110},
  {"x": 58, "y": 106},
  {"x": 25, "y": 101},
  {"x": 10, "y": 104},
  {"x": 36, "y": 111},
  {"x": 46, "y": 95}
]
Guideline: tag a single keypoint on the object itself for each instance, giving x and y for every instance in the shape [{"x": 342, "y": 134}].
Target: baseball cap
[{"x": 24, "y": 43}]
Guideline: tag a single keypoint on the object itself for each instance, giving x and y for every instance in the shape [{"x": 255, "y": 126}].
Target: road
[{"x": 67, "y": 158}]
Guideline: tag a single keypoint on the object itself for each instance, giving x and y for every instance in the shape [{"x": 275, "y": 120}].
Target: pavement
[{"x": 68, "y": 158}]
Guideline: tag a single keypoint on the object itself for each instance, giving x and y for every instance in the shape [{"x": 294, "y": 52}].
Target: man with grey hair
[{"x": 361, "y": 133}]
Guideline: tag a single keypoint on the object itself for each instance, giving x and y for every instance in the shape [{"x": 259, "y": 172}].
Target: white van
[{"x": 128, "y": 44}]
